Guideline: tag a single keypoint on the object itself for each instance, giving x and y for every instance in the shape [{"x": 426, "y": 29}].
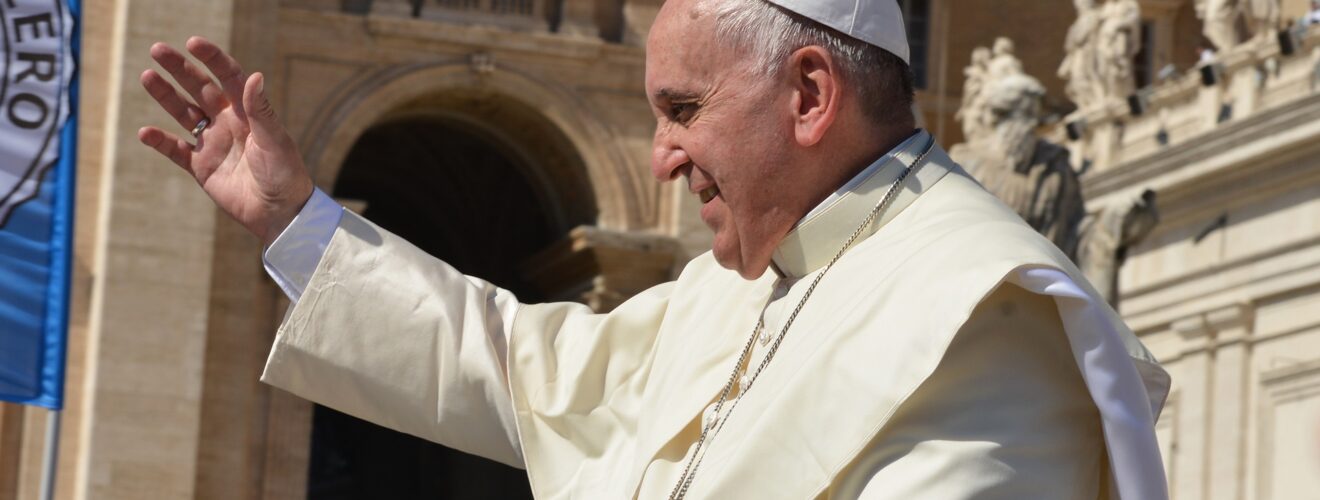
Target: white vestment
[{"x": 951, "y": 353}]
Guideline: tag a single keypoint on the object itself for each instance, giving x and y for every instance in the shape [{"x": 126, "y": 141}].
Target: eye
[{"x": 681, "y": 112}]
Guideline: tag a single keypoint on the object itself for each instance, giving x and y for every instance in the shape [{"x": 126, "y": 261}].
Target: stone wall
[{"x": 1226, "y": 291}]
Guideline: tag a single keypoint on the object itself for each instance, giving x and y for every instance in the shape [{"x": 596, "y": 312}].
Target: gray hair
[{"x": 770, "y": 34}]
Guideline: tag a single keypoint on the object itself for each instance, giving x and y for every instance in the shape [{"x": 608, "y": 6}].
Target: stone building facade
[
  {"x": 1226, "y": 290},
  {"x": 532, "y": 113}
]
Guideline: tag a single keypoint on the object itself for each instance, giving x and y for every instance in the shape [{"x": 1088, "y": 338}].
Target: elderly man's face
[{"x": 725, "y": 129}]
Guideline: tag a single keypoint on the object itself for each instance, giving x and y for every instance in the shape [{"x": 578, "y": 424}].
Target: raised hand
[{"x": 243, "y": 157}]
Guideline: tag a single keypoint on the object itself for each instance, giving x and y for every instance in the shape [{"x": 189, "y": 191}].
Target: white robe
[{"x": 924, "y": 365}]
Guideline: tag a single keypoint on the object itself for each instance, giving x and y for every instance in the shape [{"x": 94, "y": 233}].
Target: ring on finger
[{"x": 201, "y": 125}]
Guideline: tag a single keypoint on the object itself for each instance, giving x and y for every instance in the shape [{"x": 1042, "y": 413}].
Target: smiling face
[{"x": 729, "y": 132}]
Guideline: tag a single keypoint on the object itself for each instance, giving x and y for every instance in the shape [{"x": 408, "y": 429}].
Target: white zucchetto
[{"x": 877, "y": 22}]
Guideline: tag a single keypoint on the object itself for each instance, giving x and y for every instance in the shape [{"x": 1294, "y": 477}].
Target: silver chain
[{"x": 690, "y": 470}]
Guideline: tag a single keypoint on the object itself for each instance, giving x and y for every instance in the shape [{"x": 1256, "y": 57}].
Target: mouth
[{"x": 708, "y": 194}]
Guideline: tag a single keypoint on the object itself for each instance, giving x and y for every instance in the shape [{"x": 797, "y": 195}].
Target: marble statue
[
  {"x": 987, "y": 66},
  {"x": 1220, "y": 18},
  {"x": 1001, "y": 111},
  {"x": 1080, "y": 67},
  {"x": 971, "y": 114},
  {"x": 1119, "y": 41},
  {"x": 1031, "y": 175},
  {"x": 1100, "y": 47},
  {"x": 1263, "y": 17},
  {"x": 1004, "y": 61},
  {"x": 1108, "y": 233}
]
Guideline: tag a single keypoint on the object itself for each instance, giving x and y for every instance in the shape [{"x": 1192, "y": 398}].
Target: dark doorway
[{"x": 459, "y": 194}]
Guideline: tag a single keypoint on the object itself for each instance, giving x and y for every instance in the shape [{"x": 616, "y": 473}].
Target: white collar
[
  {"x": 858, "y": 179},
  {"x": 819, "y": 235}
]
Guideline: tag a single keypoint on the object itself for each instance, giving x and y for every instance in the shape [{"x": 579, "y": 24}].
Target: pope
[{"x": 869, "y": 323}]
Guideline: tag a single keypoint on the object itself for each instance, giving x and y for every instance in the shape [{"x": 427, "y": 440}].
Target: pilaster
[
  {"x": 1213, "y": 409},
  {"x": 150, "y": 298}
]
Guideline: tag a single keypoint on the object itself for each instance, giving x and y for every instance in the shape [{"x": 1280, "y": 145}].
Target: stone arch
[{"x": 462, "y": 92}]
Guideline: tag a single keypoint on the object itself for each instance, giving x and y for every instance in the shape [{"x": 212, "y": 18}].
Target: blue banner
[{"x": 38, "y": 97}]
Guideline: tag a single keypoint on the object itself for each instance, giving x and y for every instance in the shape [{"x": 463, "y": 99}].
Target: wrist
[{"x": 285, "y": 215}]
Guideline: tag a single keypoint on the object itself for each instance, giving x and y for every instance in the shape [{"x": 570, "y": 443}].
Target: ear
[{"x": 816, "y": 80}]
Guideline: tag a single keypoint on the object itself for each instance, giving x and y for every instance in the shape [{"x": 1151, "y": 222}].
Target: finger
[
  {"x": 266, "y": 127},
  {"x": 168, "y": 145},
  {"x": 224, "y": 67},
  {"x": 184, "y": 112},
  {"x": 199, "y": 85}
]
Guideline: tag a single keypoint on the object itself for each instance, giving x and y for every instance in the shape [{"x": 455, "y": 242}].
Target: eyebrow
[{"x": 675, "y": 95}]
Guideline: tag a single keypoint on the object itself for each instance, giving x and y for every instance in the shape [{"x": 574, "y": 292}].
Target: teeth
[{"x": 708, "y": 194}]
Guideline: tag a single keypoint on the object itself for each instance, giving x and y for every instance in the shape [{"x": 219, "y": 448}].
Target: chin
[{"x": 730, "y": 257}]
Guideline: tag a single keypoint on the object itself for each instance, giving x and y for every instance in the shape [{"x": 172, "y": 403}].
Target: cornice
[
  {"x": 1209, "y": 323},
  {"x": 1244, "y": 280},
  {"x": 1294, "y": 128},
  {"x": 509, "y": 39}
]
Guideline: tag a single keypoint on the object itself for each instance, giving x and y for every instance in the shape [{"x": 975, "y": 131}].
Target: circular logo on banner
[{"x": 36, "y": 66}]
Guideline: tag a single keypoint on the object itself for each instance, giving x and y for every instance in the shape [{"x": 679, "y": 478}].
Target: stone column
[
  {"x": 1213, "y": 411},
  {"x": 1193, "y": 376},
  {"x": 151, "y": 264},
  {"x": 1228, "y": 417}
]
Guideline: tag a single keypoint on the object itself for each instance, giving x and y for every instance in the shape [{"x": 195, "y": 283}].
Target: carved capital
[{"x": 1211, "y": 325}]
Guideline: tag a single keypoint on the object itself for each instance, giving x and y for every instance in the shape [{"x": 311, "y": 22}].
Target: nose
[{"x": 667, "y": 158}]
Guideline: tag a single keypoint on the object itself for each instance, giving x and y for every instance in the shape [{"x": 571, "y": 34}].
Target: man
[{"x": 869, "y": 324}]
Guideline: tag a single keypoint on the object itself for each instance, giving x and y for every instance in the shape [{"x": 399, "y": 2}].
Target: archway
[
  {"x": 470, "y": 195},
  {"x": 521, "y": 105}
]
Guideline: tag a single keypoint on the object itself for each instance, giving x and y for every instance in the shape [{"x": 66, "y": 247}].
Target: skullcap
[{"x": 877, "y": 22}]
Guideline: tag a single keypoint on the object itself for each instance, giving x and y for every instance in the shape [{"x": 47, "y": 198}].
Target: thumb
[{"x": 266, "y": 127}]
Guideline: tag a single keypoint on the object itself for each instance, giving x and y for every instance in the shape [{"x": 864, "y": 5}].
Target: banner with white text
[{"x": 38, "y": 97}]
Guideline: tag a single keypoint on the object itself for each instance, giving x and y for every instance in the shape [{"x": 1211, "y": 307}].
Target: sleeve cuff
[{"x": 292, "y": 258}]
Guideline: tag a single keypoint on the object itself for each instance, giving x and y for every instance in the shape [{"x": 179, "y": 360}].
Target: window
[{"x": 916, "y": 15}]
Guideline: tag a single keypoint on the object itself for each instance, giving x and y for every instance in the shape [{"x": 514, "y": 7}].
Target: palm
[
  {"x": 243, "y": 160},
  {"x": 232, "y": 169}
]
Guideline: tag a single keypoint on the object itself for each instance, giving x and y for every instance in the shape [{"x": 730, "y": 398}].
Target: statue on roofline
[
  {"x": 1100, "y": 46},
  {"x": 1260, "y": 17}
]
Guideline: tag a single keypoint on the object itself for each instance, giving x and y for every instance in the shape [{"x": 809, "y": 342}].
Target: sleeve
[
  {"x": 389, "y": 334},
  {"x": 292, "y": 258},
  {"x": 1126, "y": 383}
]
